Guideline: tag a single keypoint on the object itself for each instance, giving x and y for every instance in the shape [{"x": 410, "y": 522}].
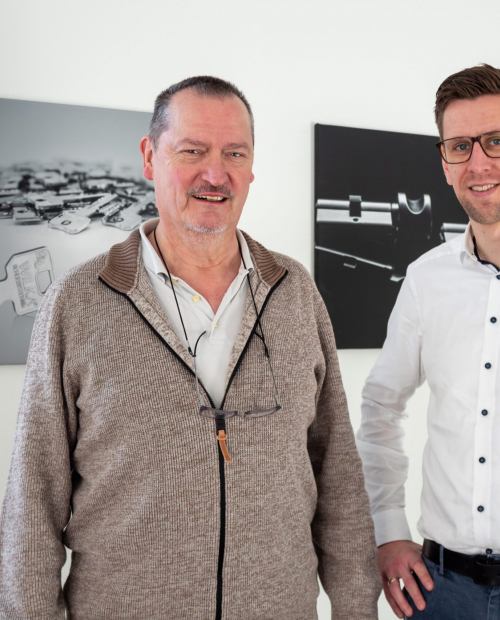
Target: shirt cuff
[{"x": 391, "y": 525}]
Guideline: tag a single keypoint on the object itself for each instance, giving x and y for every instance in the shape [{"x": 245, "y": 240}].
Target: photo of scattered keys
[
  {"x": 29, "y": 275},
  {"x": 69, "y": 196},
  {"x": 131, "y": 217}
]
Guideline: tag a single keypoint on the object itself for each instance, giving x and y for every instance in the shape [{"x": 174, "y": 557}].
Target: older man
[
  {"x": 183, "y": 427},
  {"x": 445, "y": 328}
]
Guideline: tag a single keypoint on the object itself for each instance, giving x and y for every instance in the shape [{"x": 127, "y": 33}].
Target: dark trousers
[{"x": 456, "y": 597}]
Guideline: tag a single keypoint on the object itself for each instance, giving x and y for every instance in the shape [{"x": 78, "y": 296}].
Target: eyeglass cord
[
  {"x": 261, "y": 335},
  {"x": 193, "y": 355},
  {"x": 175, "y": 297}
]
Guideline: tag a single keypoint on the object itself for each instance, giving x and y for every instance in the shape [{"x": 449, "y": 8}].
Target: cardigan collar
[{"x": 123, "y": 263}]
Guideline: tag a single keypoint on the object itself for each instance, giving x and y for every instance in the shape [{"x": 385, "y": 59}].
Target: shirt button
[
  {"x": 196, "y": 298},
  {"x": 482, "y": 460},
  {"x": 487, "y": 365},
  {"x": 217, "y": 324},
  {"x": 493, "y": 319},
  {"x": 484, "y": 411},
  {"x": 480, "y": 508},
  {"x": 174, "y": 280}
]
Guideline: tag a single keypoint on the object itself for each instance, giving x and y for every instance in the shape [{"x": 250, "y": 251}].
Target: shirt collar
[
  {"x": 469, "y": 247},
  {"x": 468, "y": 243},
  {"x": 154, "y": 263},
  {"x": 480, "y": 260}
]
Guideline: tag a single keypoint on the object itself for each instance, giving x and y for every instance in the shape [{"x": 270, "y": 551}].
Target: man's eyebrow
[
  {"x": 191, "y": 142},
  {"x": 200, "y": 143},
  {"x": 238, "y": 145}
]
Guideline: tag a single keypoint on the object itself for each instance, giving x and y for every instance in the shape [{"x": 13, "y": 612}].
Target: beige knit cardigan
[{"x": 112, "y": 459}]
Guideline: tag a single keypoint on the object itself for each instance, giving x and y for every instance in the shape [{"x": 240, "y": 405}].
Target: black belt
[{"x": 481, "y": 568}]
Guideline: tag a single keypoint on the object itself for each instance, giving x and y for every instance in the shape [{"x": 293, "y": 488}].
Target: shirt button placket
[{"x": 483, "y": 440}]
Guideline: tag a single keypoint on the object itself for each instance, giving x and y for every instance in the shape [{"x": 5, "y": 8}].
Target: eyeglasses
[
  {"x": 221, "y": 415},
  {"x": 459, "y": 150}
]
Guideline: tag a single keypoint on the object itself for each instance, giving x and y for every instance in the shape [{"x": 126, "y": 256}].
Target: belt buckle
[{"x": 487, "y": 571}]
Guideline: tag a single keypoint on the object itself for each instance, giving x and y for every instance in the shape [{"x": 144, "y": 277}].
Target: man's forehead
[
  {"x": 188, "y": 108},
  {"x": 471, "y": 117}
]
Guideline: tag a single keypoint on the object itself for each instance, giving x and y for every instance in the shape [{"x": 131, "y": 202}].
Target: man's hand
[{"x": 399, "y": 559}]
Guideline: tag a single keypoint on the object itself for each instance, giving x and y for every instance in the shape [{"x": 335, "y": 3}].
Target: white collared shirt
[
  {"x": 445, "y": 328},
  {"x": 214, "y": 348}
]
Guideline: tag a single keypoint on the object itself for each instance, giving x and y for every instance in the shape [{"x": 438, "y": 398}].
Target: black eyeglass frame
[{"x": 473, "y": 139}]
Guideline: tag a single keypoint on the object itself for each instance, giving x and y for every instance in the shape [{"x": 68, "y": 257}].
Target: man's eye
[
  {"x": 236, "y": 154},
  {"x": 193, "y": 151},
  {"x": 461, "y": 146}
]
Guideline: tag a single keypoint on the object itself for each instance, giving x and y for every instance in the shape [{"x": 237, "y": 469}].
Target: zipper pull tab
[{"x": 221, "y": 438}]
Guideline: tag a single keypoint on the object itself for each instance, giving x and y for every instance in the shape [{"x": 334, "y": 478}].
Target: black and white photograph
[
  {"x": 70, "y": 187},
  {"x": 381, "y": 201}
]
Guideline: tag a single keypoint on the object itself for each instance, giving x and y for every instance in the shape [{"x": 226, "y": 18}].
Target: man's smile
[
  {"x": 485, "y": 189},
  {"x": 210, "y": 198}
]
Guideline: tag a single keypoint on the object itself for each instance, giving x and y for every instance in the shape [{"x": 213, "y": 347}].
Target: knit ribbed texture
[
  {"x": 122, "y": 266},
  {"x": 109, "y": 426},
  {"x": 270, "y": 270}
]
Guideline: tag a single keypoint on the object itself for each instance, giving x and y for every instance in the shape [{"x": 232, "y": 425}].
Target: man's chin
[
  {"x": 204, "y": 228},
  {"x": 483, "y": 215}
]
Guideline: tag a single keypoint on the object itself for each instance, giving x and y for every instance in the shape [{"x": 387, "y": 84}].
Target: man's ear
[
  {"x": 446, "y": 172},
  {"x": 146, "y": 147}
]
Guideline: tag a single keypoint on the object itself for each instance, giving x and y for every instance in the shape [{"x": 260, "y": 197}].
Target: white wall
[{"x": 358, "y": 63}]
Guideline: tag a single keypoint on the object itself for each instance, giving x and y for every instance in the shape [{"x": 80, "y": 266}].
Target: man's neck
[
  {"x": 206, "y": 262},
  {"x": 487, "y": 238}
]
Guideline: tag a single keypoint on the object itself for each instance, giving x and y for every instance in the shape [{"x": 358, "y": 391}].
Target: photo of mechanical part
[
  {"x": 365, "y": 239},
  {"x": 71, "y": 186}
]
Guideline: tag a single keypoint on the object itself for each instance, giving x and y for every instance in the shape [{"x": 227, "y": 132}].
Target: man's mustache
[{"x": 208, "y": 188}]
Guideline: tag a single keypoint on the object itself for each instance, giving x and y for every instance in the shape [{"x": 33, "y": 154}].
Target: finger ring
[{"x": 392, "y": 579}]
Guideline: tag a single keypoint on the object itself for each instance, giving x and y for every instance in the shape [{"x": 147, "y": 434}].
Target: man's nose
[
  {"x": 479, "y": 161},
  {"x": 214, "y": 171}
]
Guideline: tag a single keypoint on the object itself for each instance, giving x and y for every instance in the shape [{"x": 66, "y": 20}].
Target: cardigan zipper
[
  {"x": 220, "y": 425},
  {"x": 221, "y": 428}
]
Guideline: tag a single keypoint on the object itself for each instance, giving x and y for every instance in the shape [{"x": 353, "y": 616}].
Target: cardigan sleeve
[
  {"x": 342, "y": 527},
  {"x": 36, "y": 505}
]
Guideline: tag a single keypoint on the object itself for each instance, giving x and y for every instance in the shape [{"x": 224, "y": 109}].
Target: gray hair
[{"x": 202, "y": 85}]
